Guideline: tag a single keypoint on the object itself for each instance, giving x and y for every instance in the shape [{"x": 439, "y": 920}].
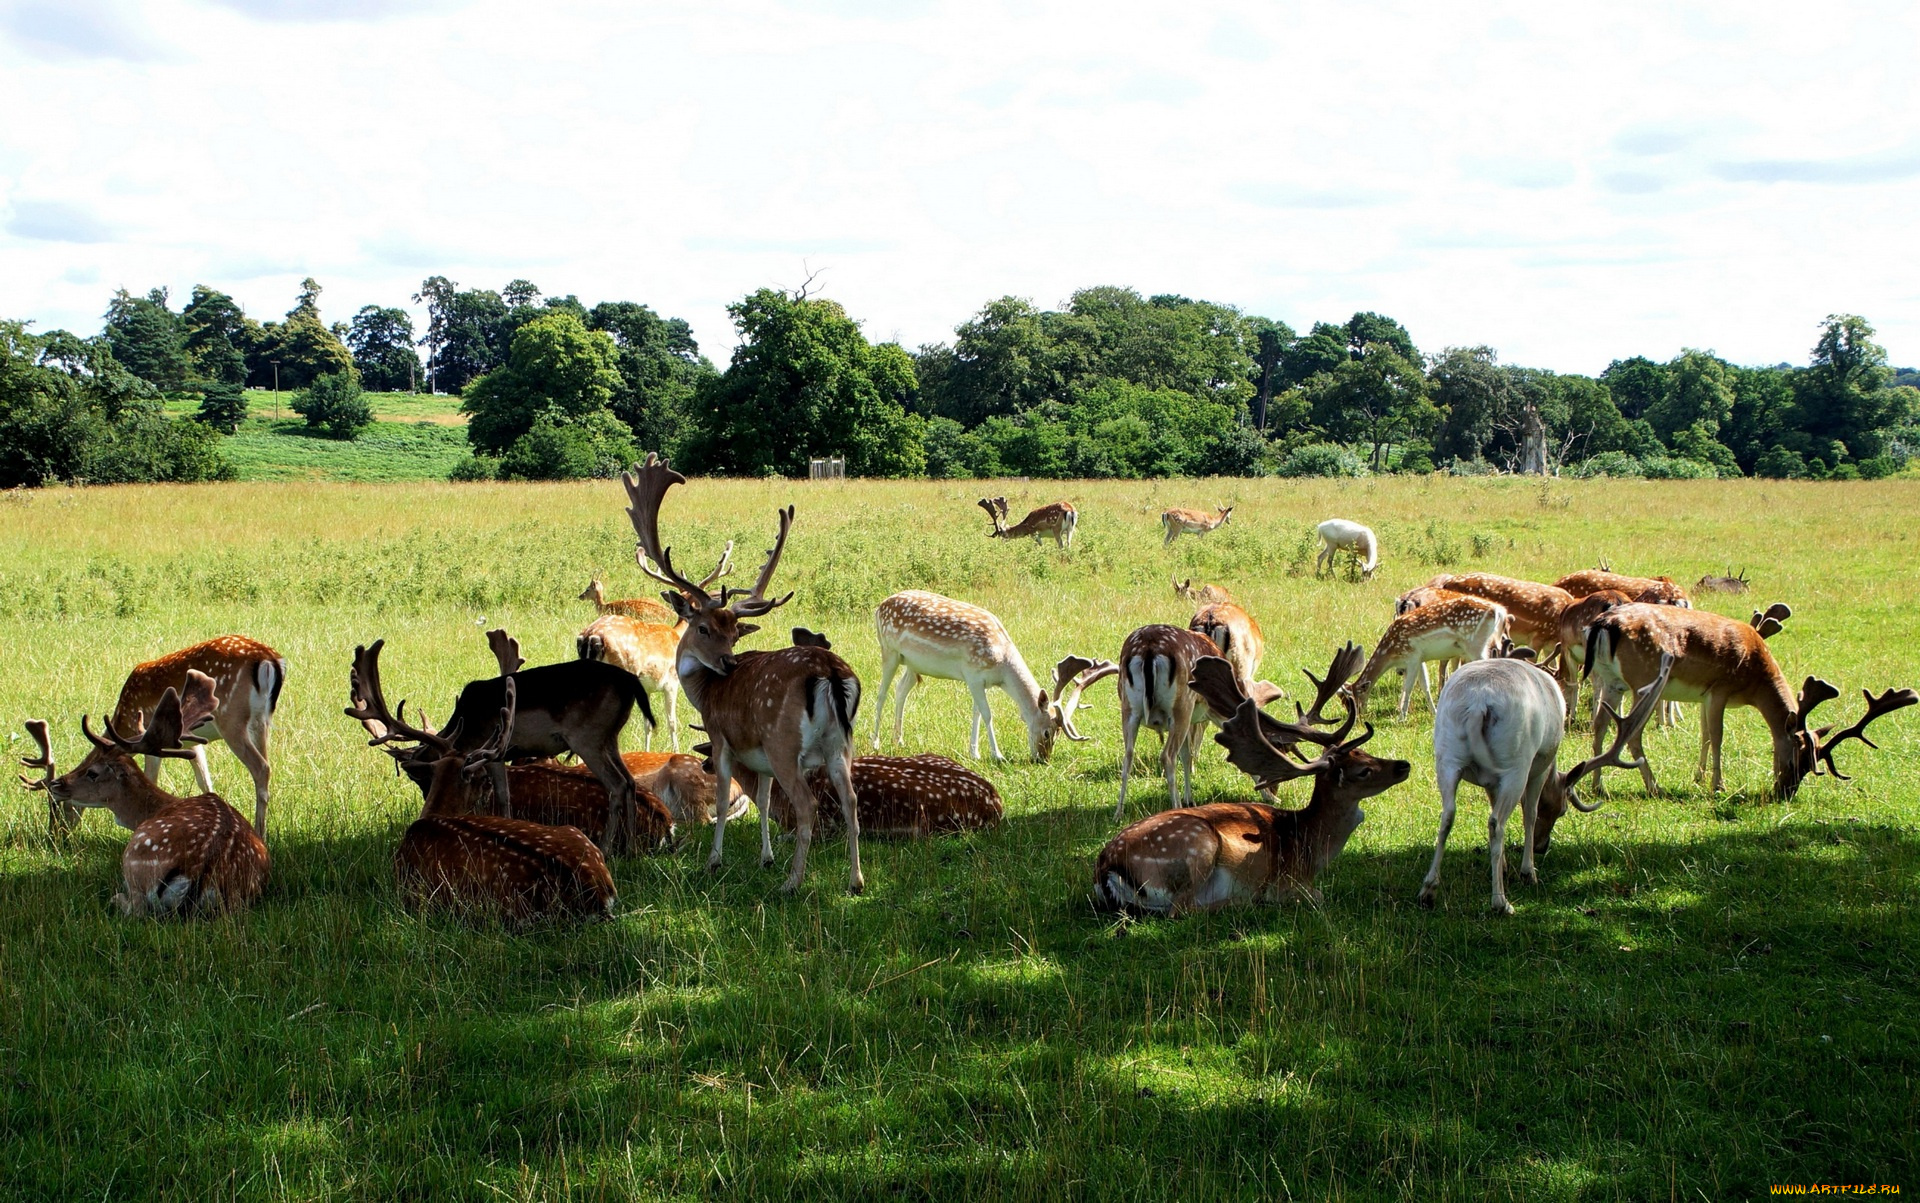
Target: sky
[{"x": 1569, "y": 184}]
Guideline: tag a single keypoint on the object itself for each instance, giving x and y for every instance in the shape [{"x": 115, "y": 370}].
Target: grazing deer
[
  {"x": 1179, "y": 522},
  {"x": 1237, "y": 635},
  {"x": 1650, "y": 589},
  {"x": 948, "y": 640},
  {"x": 1723, "y": 584},
  {"x": 1499, "y": 725},
  {"x": 1459, "y": 628},
  {"x": 1422, "y": 595},
  {"x": 1534, "y": 609},
  {"x": 1336, "y": 535},
  {"x": 1719, "y": 662},
  {"x": 770, "y": 715},
  {"x": 576, "y": 706},
  {"x": 1204, "y": 595},
  {"x": 187, "y": 855},
  {"x": 247, "y": 677},
  {"x": 910, "y": 797},
  {"x": 642, "y": 609},
  {"x": 1240, "y": 853},
  {"x": 513, "y": 868},
  {"x": 1057, "y": 520},
  {"x": 1155, "y": 664}
]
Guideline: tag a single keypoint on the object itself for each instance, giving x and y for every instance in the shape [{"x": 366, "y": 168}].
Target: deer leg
[
  {"x": 983, "y": 712},
  {"x": 1510, "y": 791},
  {"x": 503, "y": 803},
  {"x": 1713, "y": 726},
  {"x": 907, "y": 683},
  {"x": 253, "y": 757},
  {"x": 1129, "y": 732},
  {"x": 1449, "y": 786},
  {"x": 672, "y": 690},
  {"x": 1529, "y": 820},
  {"x": 1426, "y": 683},
  {"x": 763, "y": 802},
  {"x": 794, "y": 781},
  {"x": 889, "y": 667},
  {"x": 1646, "y": 771},
  {"x": 722, "y": 784},
  {"x": 201, "y": 775},
  {"x": 623, "y": 802},
  {"x": 1604, "y": 695},
  {"x": 840, "y": 772}
]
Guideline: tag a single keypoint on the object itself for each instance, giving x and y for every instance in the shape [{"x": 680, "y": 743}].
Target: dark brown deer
[
  {"x": 771, "y": 716},
  {"x": 1241, "y": 853},
  {"x": 187, "y": 855},
  {"x": 1723, "y": 584}
]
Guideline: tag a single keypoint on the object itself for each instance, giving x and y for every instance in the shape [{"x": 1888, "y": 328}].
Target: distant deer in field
[
  {"x": 1239, "y": 853},
  {"x": 641, "y": 609},
  {"x": 1459, "y": 628},
  {"x": 909, "y": 797},
  {"x": 247, "y": 676},
  {"x": 1177, "y": 522},
  {"x": 1337, "y": 535},
  {"x": 1202, "y": 595},
  {"x": 1057, "y": 519},
  {"x": 1723, "y": 584},
  {"x": 187, "y": 855}
]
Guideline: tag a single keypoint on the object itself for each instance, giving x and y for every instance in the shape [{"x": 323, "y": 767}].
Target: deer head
[
  {"x": 390, "y": 727},
  {"x": 996, "y": 508},
  {"x": 110, "y": 775},
  {"x": 713, "y": 620}
]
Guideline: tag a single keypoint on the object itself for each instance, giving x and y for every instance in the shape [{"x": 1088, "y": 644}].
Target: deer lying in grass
[
  {"x": 1337, "y": 535},
  {"x": 1723, "y": 584},
  {"x": 187, "y": 856},
  {"x": 1720, "y": 662},
  {"x": 1239, "y": 853},
  {"x": 1179, "y": 522},
  {"x": 1057, "y": 520},
  {"x": 1202, "y": 595},
  {"x": 1458, "y": 628},
  {"x": 1499, "y": 725},
  {"x": 515, "y": 869},
  {"x": 909, "y": 797},
  {"x": 938, "y": 637}
]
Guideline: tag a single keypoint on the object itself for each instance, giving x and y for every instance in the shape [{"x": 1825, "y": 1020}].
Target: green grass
[
  {"x": 1703, "y": 996},
  {"x": 414, "y": 437}
]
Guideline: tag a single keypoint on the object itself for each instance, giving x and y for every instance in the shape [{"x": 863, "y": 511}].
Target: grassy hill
[{"x": 413, "y": 437}]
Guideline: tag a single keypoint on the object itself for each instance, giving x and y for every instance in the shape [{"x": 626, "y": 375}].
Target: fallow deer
[
  {"x": 938, "y": 637},
  {"x": 1202, "y": 595},
  {"x": 1240, "y": 853},
  {"x": 515, "y": 869},
  {"x": 1337, "y": 535},
  {"x": 1422, "y": 595},
  {"x": 247, "y": 677},
  {"x": 1499, "y": 725},
  {"x": 770, "y": 715},
  {"x": 1533, "y": 609},
  {"x": 1723, "y": 584},
  {"x": 646, "y": 609},
  {"x": 1659, "y": 590},
  {"x": 1155, "y": 664},
  {"x": 908, "y": 796},
  {"x": 1772, "y": 620},
  {"x": 1057, "y": 520},
  {"x": 1177, "y": 522},
  {"x": 576, "y": 706},
  {"x": 645, "y": 649},
  {"x": 671, "y": 788},
  {"x": 1238, "y": 637},
  {"x": 187, "y": 855},
  {"x": 1459, "y": 628},
  {"x": 1719, "y": 662}
]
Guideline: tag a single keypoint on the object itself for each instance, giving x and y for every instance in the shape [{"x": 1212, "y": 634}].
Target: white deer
[{"x": 1336, "y": 535}]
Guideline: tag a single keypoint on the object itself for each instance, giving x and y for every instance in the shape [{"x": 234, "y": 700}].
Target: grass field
[
  {"x": 413, "y": 437},
  {"x": 1702, "y": 997}
]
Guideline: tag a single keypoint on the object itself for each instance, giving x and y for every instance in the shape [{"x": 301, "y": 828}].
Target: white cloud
[{"x": 1566, "y": 184}]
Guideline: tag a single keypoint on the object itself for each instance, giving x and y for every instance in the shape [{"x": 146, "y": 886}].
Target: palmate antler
[
  {"x": 755, "y": 601},
  {"x": 1886, "y": 703},
  {"x": 168, "y": 732},
  {"x": 370, "y": 705},
  {"x": 647, "y": 486},
  {"x": 1213, "y": 679},
  {"x": 1624, "y": 733},
  {"x": 1345, "y": 663},
  {"x": 62, "y": 817},
  {"x": 1770, "y": 621},
  {"x": 506, "y": 651},
  {"x": 1244, "y": 736},
  {"x": 1071, "y": 677}
]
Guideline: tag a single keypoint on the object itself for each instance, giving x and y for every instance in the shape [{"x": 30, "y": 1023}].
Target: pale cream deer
[{"x": 1177, "y": 522}]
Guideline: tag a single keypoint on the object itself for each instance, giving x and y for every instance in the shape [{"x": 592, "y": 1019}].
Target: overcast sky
[{"x": 1567, "y": 186}]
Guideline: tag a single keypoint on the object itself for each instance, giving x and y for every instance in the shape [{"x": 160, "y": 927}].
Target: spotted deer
[
  {"x": 1720, "y": 663},
  {"x": 641, "y": 609},
  {"x": 1659, "y": 590},
  {"x": 247, "y": 677},
  {"x": 1499, "y": 725},
  {"x": 1533, "y": 609},
  {"x": 514, "y": 869},
  {"x": 771, "y": 715},
  {"x": 1201, "y": 595},
  {"x": 910, "y": 797},
  {"x": 1155, "y": 663},
  {"x": 1460, "y": 628},
  {"x": 187, "y": 856},
  {"x": 1177, "y": 522},
  {"x": 645, "y": 649},
  {"x": 1238, "y": 637},
  {"x": 937, "y": 637},
  {"x": 1057, "y": 520},
  {"x": 1226, "y": 854}
]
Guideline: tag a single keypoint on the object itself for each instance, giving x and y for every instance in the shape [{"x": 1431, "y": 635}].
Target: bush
[
  {"x": 598, "y": 445},
  {"x": 144, "y": 445},
  {"x": 334, "y": 405},
  {"x": 1608, "y": 463},
  {"x": 1471, "y": 467},
  {"x": 1878, "y": 467},
  {"x": 475, "y": 467},
  {"x": 1663, "y": 467},
  {"x": 1781, "y": 464},
  {"x": 1239, "y": 451},
  {"x": 1322, "y": 459},
  {"x": 223, "y": 406}
]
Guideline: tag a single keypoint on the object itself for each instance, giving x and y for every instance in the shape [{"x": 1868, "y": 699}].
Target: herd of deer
[{"x": 508, "y": 829}]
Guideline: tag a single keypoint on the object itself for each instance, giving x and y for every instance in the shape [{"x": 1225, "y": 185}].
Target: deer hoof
[
  {"x": 1501, "y": 908},
  {"x": 856, "y": 888},
  {"x": 1529, "y": 877},
  {"x": 713, "y": 866},
  {"x": 1425, "y": 899},
  {"x": 766, "y": 862}
]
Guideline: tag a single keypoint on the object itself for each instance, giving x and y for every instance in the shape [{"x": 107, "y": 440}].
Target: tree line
[{"x": 1111, "y": 384}]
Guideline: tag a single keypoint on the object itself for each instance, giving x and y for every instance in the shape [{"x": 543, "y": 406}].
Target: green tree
[
  {"x": 1476, "y": 397},
  {"x": 1635, "y": 384},
  {"x": 382, "y": 344},
  {"x": 1699, "y": 392},
  {"x": 303, "y": 346},
  {"x": 334, "y": 405},
  {"x": 223, "y": 406},
  {"x": 1002, "y": 361},
  {"x": 1846, "y": 396},
  {"x": 1379, "y": 399},
  {"x": 1366, "y": 329},
  {"x": 1270, "y": 342},
  {"x": 660, "y": 370},
  {"x": 804, "y": 382},
  {"x": 1321, "y": 349},
  {"x": 557, "y": 370},
  {"x": 218, "y": 335},
  {"x": 148, "y": 338},
  {"x": 598, "y": 445}
]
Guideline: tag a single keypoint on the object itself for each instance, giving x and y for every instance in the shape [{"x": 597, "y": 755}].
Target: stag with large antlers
[
  {"x": 1240, "y": 853},
  {"x": 187, "y": 855},
  {"x": 772, "y": 715},
  {"x": 938, "y": 637},
  {"x": 247, "y": 676},
  {"x": 1498, "y": 725},
  {"x": 1719, "y": 662},
  {"x": 1057, "y": 520},
  {"x": 576, "y": 706},
  {"x": 515, "y": 869}
]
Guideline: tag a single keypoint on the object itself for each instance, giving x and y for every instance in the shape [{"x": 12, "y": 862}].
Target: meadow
[
  {"x": 414, "y": 436},
  {"x": 1703, "y": 996}
]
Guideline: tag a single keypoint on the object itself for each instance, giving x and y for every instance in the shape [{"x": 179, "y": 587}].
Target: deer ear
[{"x": 745, "y": 629}]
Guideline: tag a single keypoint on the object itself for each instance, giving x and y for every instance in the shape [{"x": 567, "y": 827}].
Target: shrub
[
  {"x": 597, "y": 445},
  {"x": 1608, "y": 463},
  {"x": 475, "y": 467},
  {"x": 1781, "y": 464},
  {"x": 223, "y": 406},
  {"x": 334, "y": 405},
  {"x": 1239, "y": 451},
  {"x": 1471, "y": 467},
  {"x": 1664, "y": 467},
  {"x": 1322, "y": 459},
  {"x": 1878, "y": 467}
]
